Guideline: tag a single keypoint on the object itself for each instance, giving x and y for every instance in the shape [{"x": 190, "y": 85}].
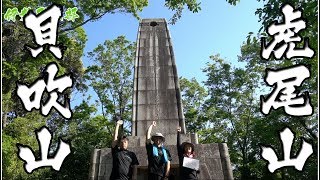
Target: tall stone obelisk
[{"x": 156, "y": 97}]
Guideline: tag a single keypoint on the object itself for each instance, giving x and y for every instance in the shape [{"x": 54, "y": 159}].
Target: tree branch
[
  {"x": 84, "y": 22},
  {"x": 102, "y": 109},
  {"x": 303, "y": 123}
]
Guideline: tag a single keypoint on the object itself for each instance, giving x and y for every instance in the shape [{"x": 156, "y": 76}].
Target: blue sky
[{"x": 218, "y": 28}]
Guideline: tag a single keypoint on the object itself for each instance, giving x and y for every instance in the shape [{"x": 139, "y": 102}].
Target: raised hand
[
  {"x": 148, "y": 137},
  {"x": 154, "y": 123},
  {"x": 120, "y": 122},
  {"x": 116, "y": 131}
]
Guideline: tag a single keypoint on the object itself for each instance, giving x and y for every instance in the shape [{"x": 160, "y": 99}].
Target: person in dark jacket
[
  {"x": 185, "y": 149},
  {"x": 124, "y": 162},
  {"x": 158, "y": 156}
]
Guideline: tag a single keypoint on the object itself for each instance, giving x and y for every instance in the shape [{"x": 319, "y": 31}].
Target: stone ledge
[{"x": 213, "y": 164}]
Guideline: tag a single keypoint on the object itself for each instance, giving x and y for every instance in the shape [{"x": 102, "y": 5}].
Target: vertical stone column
[
  {"x": 194, "y": 138},
  {"x": 95, "y": 163},
  {"x": 156, "y": 95},
  {"x": 225, "y": 161}
]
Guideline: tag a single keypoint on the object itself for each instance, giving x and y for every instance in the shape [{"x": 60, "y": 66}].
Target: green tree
[
  {"x": 306, "y": 127},
  {"x": 20, "y": 130},
  {"x": 193, "y": 98},
  {"x": 18, "y": 65},
  {"x": 93, "y": 10},
  {"x": 87, "y": 132},
  {"x": 231, "y": 112},
  {"x": 111, "y": 78},
  {"x": 231, "y": 109}
]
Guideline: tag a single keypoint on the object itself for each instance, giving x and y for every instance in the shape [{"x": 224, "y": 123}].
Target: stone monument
[{"x": 156, "y": 97}]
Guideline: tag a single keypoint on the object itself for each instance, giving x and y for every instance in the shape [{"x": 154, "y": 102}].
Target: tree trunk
[{"x": 4, "y": 119}]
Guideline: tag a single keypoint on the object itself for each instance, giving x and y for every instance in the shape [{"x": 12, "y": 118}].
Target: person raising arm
[
  {"x": 185, "y": 149},
  {"x": 124, "y": 162},
  {"x": 158, "y": 157}
]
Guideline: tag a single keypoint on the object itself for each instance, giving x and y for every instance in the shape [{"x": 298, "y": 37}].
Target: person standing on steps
[
  {"x": 158, "y": 156},
  {"x": 185, "y": 149},
  {"x": 124, "y": 163}
]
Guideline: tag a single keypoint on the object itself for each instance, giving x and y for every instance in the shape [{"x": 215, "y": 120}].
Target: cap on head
[{"x": 158, "y": 135}]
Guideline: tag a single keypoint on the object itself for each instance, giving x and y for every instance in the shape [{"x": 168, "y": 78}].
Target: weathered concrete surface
[
  {"x": 157, "y": 97},
  {"x": 212, "y": 158},
  {"x": 171, "y": 139}
]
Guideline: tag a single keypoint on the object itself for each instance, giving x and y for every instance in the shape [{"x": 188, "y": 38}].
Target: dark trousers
[{"x": 154, "y": 177}]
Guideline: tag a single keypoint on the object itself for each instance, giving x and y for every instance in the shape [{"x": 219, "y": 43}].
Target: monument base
[{"x": 214, "y": 162}]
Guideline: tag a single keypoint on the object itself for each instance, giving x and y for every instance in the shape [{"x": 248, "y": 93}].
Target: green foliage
[
  {"x": 18, "y": 65},
  {"x": 224, "y": 109},
  {"x": 233, "y": 2},
  {"x": 193, "y": 96},
  {"x": 92, "y": 10},
  {"x": 21, "y": 130},
  {"x": 179, "y": 5},
  {"x": 231, "y": 110},
  {"x": 86, "y": 132},
  {"x": 111, "y": 77}
]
